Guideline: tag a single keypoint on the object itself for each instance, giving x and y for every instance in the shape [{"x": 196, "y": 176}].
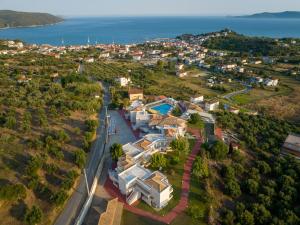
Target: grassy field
[{"x": 258, "y": 94}]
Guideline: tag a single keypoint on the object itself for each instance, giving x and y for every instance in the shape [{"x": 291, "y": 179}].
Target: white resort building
[{"x": 137, "y": 182}]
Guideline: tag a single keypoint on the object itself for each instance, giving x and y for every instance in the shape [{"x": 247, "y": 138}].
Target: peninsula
[
  {"x": 278, "y": 15},
  {"x": 10, "y": 18}
]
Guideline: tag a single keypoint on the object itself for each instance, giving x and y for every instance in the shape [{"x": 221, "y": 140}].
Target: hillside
[
  {"x": 279, "y": 15},
  {"x": 24, "y": 19}
]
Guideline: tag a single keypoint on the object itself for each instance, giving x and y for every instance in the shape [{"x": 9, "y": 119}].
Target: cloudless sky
[{"x": 150, "y": 7}]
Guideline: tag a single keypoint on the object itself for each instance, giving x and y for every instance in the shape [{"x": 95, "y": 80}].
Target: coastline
[{"x": 32, "y": 26}]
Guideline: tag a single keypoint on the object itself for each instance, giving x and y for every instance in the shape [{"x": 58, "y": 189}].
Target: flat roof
[
  {"x": 131, "y": 150},
  {"x": 292, "y": 142},
  {"x": 136, "y": 171}
]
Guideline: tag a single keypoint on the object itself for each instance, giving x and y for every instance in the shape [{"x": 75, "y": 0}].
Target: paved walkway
[
  {"x": 183, "y": 202},
  {"x": 135, "y": 132}
]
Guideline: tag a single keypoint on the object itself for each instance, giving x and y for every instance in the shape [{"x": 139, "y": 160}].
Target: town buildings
[{"x": 135, "y": 94}]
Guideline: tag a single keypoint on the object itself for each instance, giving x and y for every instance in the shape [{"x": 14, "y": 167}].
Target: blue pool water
[{"x": 163, "y": 109}]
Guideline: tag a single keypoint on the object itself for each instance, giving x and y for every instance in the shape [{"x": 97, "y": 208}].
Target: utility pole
[
  {"x": 86, "y": 182},
  {"x": 106, "y": 124}
]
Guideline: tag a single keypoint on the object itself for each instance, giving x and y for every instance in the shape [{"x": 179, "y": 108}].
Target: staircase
[{"x": 133, "y": 197}]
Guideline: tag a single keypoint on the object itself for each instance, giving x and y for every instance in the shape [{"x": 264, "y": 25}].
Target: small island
[
  {"x": 10, "y": 18},
  {"x": 276, "y": 15}
]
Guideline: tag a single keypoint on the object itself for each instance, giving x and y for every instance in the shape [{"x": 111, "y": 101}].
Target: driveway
[{"x": 120, "y": 133}]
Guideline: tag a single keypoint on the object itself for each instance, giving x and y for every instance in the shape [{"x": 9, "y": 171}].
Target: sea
[{"x": 128, "y": 30}]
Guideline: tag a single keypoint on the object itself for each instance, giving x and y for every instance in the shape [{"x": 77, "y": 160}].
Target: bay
[{"x": 127, "y": 30}]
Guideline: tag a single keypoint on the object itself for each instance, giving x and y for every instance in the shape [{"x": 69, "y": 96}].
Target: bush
[
  {"x": 80, "y": 158},
  {"x": 219, "y": 150},
  {"x": 91, "y": 125},
  {"x": 252, "y": 186},
  {"x": 232, "y": 188},
  {"x": 196, "y": 212},
  {"x": 228, "y": 217},
  {"x": 200, "y": 167},
  {"x": 59, "y": 198},
  {"x": 181, "y": 145},
  {"x": 158, "y": 161},
  {"x": 12, "y": 192},
  {"x": 174, "y": 160},
  {"x": 69, "y": 180},
  {"x": 33, "y": 216},
  {"x": 116, "y": 151}
]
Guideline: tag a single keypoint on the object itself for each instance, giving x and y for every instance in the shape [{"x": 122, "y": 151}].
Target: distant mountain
[
  {"x": 10, "y": 18},
  {"x": 279, "y": 15}
]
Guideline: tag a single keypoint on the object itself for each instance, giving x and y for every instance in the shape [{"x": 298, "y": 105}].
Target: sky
[{"x": 150, "y": 7}]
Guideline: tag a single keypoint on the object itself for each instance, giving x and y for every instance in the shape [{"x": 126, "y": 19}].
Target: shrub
[
  {"x": 80, "y": 158},
  {"x": 251, "y": 186},
  {"x": 59, "y": 198},
  {"x": 181, "y": 145},
  {"x": 219, "y": 150},
  {"x": 196, "y": 212},
  {"x": 200, "y": 167},
  {"x": 232, "y": 188},
  {"x": 33, "y": 216},
  {"x": 12, "y": 192},
  {"x": 116, "y": 151},
  {"x": 158, "y": 160}
]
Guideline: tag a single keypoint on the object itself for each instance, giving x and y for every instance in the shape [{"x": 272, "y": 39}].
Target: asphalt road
[
  {"x": 230, "y": 95},
  {"x": 76, "y": 201}
]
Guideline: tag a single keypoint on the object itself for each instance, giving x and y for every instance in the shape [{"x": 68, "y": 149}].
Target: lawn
[{"x": 258, "y": 94}]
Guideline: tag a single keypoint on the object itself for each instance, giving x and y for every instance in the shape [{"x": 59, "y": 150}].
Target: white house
[
  {"x": 197, "y": 99},
  {"x": 171, "y": 126},
  {"x": 123, "y": 81},
  {"x": 271, "y": 82},
  {"x": 180, "y": 67},
  {"x": 181, "y": 74},
  {"x": 136, "y": 183},
  {"x": 142, "y": 150},
  {"x": 212, "y": 106}
]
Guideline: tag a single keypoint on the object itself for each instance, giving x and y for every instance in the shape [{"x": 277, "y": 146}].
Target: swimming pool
[{"x": 163, "y": 109}]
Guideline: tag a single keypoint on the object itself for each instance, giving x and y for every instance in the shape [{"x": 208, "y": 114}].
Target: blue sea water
[{"x": 126, "y": 30}]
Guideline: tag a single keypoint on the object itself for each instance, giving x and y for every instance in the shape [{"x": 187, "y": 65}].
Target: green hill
[
  {"x": 24, "y": 19},
  {"x": 279, "y": 15}
]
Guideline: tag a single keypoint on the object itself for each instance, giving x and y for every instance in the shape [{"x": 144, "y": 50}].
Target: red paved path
[{"x": 183, "y": 202}]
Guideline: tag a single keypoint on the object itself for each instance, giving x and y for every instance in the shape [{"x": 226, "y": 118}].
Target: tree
[
  {"x": 228, "y": 217},
  {"x": 181, "y": 145},
  {"x": 252, "y": 186},
  {"x": 11, "y": 122},
  {"x": 158, "y": 161},
  {"x": 12, "y": 192},
  {"x": 200, "y": 167},
  {"x": 232, "y": 188},
  {"x": 263, "y": 167},
  {"x": 219, "y": 150},
  {"x": 196, "y": 121},
  {"x": 33, "y": 216},
  {"x": 261, "y": 214},
  {"x": 59, "y": 198},
  {"x": 80, "y": 158},
  {"x": 247, "y": 218},
  {"x": 196, "y": 212},
  {"x": 116, "y": 151}
]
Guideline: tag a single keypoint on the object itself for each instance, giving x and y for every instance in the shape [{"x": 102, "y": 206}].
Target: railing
[{"x": 89, "y": 200}]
